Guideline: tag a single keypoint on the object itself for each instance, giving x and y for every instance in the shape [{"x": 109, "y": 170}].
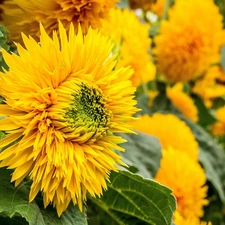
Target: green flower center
[{"x": 88, "y": 113}]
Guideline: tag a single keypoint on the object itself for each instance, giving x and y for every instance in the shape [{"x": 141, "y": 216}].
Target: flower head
[
  {"x": 133, "y": 51},
  {"x": 171, "y": 131},
  {"x": 187, "y": 180},
  {"x": 185, "y": 46},
  {"x": 179, "y": 220},
  {"x": 63, "y": 107},
  {"x": 183, "y": 102},
  {"x": 24, "y": 15},
  {"x": 210, "y": 86}
]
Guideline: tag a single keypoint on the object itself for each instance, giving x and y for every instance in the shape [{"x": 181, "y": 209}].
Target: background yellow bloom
[
  {"x": 186, "y": 178},
  {"x": 210, "y": 85},
  {"x": 63, "y": 105},
  {"x": 186, "y": 45},
  {"x": 131, "y": 38},
  {"x": 24, "y": 15},
  {"x": 171, "y": 131},
  {"x": 179, "y": 220},
  {"x": 183, "y": 102}
]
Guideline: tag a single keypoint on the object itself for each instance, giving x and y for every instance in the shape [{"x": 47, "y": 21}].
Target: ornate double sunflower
[
  {"x": 185, "y": 48},
  {"x": 187, "y": 183},
  {"x": 64, "y": 100}
]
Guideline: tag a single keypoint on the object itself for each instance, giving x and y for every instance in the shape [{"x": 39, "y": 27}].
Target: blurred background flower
[
  {"x": 171, "y": 132},
  {"x": 182, "y": 101},
  {"x": 185, "y": 46},
  {"x": 24, "y": 15},
  {"x": 131, "y": 38},
  {"x": 187, "y": 180}
]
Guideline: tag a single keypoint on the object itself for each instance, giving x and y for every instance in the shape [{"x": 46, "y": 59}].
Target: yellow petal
[
  {"x": 5, "y": 110},
  {"x": 7, "y": 124},
  {"x": 9, "y": 139}
]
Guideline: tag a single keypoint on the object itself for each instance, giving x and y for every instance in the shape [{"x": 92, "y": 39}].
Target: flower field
[{"x": 112, "y": 112}]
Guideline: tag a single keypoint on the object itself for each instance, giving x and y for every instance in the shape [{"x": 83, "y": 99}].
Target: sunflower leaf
[
  {"x": 4, "y": 38},
  {"x": 205, "y": 117},
  {"x": 16, "y": 209},
  {"x": 223, "y": 58},
  {"x": 72, "y": 216},
  {"x": 3, "y": 44},
  {"x": 131, "y": 199},
  {"x": 143, "y": 154}
]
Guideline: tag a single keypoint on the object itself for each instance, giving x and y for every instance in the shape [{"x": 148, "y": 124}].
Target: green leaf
[
  {"x": 142, "y": 103},
  {"x": 14, "y": 201},
  {"x": 162, "y": 103},
  {"x": 14, "y": 204},
  {"x": 13, "y": 221},
  {"x": 143, "y": 153},
  {"x": 205, "y": 117},
  {"x": 72, "y": 216},
  {"x": 4, "y": 38},
  {"x": 223, "y": 58},
  {"x": 212, "y": 157},
  {"x": 131, "y": 199},
  {"x": 3, "y": 44}
]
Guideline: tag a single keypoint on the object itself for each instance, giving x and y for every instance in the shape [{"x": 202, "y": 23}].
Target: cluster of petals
[
  {"x": 62, "y": 109},
  {"x": 132, "y": 40},
  {"x": 24, "y": 15},
  {"x": 179, "y": 148},
  {"x": 185, "y": 47},
  {"x": 182, "y": 101}
]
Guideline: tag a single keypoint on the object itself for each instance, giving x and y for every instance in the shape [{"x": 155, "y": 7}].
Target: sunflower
[
  {"x": 134, "y": 51},
  {"x": 218, "y": 127},
  {"x": 179, "y": 220},
  {"x": 24, "y": 15},
  {"x": 62, "y": 109},
  {"x": 171, "y": 131},
  {"x": 187, "y": 180},
  {"x": 182, "y": 102},
  {"x": 185, "y": 46},
  {"x": 211, "y": 85}
]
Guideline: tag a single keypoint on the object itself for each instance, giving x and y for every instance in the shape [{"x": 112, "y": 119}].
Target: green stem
[
  {"x": 166, "y": 7},
  {"x": 145, "y": 88}
]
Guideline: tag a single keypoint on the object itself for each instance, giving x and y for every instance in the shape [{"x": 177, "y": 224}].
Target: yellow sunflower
[
  {"x": 63, "y": 107},
  {"x": 179, "y": 220},
  {"x": 131, "y": 37},
  {"x": 171, "y": 131},
  {"x": 185, "y": 46},
  {"x": 187, "y": 181},
  {"x": 210, "y": 85},
  {"x": 218, "y": 127},
  {"x": 182, "y": 102},
  {"x": 24, "y": 15}
]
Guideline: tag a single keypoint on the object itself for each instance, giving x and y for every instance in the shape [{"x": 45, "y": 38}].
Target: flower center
[{"x": 87, "y": 114}]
